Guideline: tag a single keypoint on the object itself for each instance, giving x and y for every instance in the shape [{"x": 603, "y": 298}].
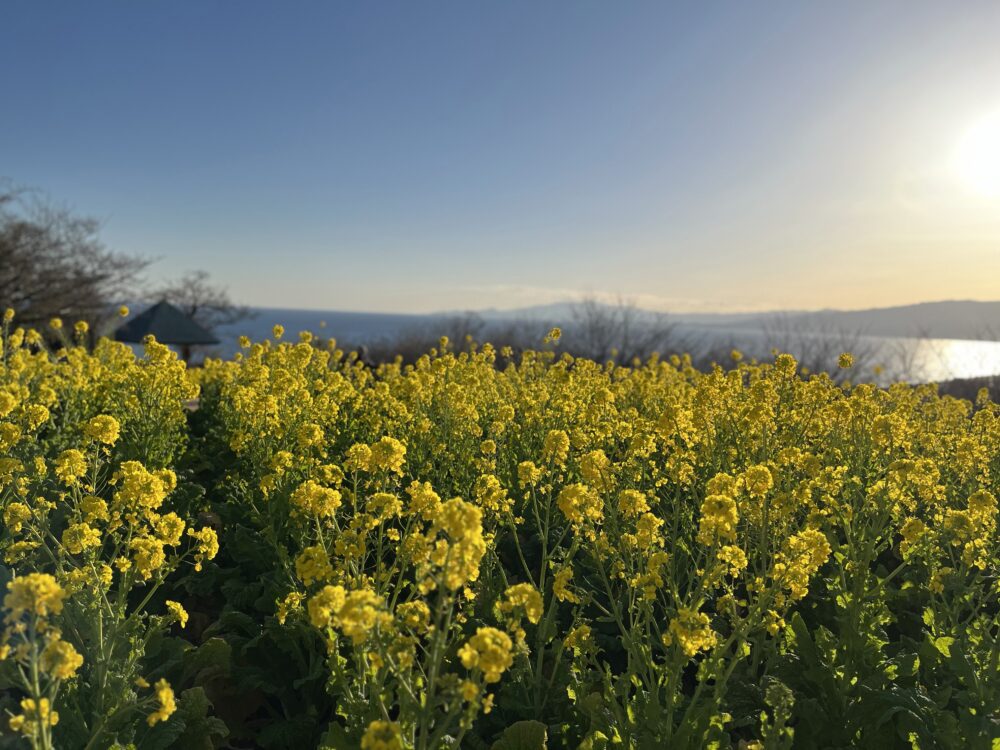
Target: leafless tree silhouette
[
  {"x": 200, "y": 298},
  {"x": 53, "y": 264},
  {"x": 622, "y": 331}
]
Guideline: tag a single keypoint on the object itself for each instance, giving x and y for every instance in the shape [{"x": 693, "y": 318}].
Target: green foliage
[
  {"x": 489, "y": 552},
  {"x": 524, "y": 735}
]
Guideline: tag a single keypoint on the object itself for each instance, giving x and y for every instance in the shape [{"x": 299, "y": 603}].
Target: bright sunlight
[{"x": 977, "y": 157}]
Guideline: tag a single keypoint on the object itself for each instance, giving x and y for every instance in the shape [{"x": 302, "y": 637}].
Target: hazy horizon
[
  {"x": 383, "y": 158},
  {"x": 613, "y": 300}
]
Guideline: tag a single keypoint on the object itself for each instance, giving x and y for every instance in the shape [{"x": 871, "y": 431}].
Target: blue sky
[{"x": 421, "y": 156}]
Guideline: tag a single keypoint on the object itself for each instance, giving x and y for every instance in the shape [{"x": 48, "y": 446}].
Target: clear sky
[{"x": 419, "y": 156}]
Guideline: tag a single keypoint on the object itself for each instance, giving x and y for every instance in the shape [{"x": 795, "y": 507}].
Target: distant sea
[
  {"x": 913, "y": 359},
  {"x": 881, "y": 359},
  {"x": 352, "y": 328}
]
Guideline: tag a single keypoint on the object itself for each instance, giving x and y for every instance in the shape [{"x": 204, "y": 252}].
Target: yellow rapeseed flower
[
  {"x": 34, "y": 593},
  {"x": 312, "y": 499},
  {"x": 177, "y": 612},
  {"x": 71, "y": 465},
  {"x": 489, "y": 651},
  {"x": 165, "y": 703},
  {"x": 61, "y": 660},
  {"x": 523, "y": 597},
  {"x": 719, "y": 517},
  {"x": 103, "y": 428},
  {"x": 79, "y": 537},
  {"x": 382, "y": 735},
  {"x": 580, "y": 504},
  {"x": 692, "y": 631}
]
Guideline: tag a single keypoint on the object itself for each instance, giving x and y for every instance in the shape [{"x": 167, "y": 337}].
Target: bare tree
[
  {"x": 819, "y": 346},
  {"x": 202, "y": 300},
  {"x": 53, "y": 264},
  {"x": 621, "y": 331}
]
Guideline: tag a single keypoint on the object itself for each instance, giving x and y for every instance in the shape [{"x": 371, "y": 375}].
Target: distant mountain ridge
[
  {"x": 935, "y": 340},
  {"x": 952, "y": 319},
  {"x": 949, "y": 319}
]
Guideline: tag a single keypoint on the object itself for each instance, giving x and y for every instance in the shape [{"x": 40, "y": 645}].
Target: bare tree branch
[
  {"x": 53, "y": 264},
  {"x": 622, "y": 331},
  {"x": 202, "y": 300}
]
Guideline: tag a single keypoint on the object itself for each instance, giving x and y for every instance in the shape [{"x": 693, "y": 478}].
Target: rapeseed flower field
[{"x": 488, "y": 549}]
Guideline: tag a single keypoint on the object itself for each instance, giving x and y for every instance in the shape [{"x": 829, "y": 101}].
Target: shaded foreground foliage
[{"x": 489, "y": 551}]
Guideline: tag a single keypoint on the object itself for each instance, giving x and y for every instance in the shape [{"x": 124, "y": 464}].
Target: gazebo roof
[{"x": 167, "y": 324}]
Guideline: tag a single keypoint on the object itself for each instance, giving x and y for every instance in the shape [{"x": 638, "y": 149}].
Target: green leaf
[
  {"x": 599, "y": 741},
  {"x": 212, "y": 658},
  {"x": 289, "y": 734},
  {"x": 200, "y": 729},
  {"x": 928, "y": 617},
  {"x": 163, "y": 735},
  {"x": 336, "y": 738},
  {"x": 523, "y": 735},
  {"x": 943, "y": 644},
  {"x": 907, "y": 664}
]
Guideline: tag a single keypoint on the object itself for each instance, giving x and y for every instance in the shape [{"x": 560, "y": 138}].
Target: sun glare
[{"x": 977, "y": 157}]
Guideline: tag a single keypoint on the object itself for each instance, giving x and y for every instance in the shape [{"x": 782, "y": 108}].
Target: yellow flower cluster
[
  {"x": 458, "y": 554},
  {"x": 33, "y": 640},
  {"x": 580, "y": 504},
  {"x": 311, "y": 499},
  {"x": 382, "y": 735},
  {"x": 523, "y": 598},
  {"x": 87, "y": 436},
  {"x": 663, "y": 528},
  {"x": 488, "y": 651},
  {"x": 718, "y": 519},
  {"x": 356, "y": 613},
  {"x": 33, "y": 594},
  {"x": 103, "y": 428},
  {"x": 61, "y": 660},
  {"x": 71, "y": 465},
  {"x": 804, "y": 553},
  {"x": 165, "y": 704},
  {"x": 34, "y": 713},
  {"x": 560, "y": 586},
  {"x": 691, "y": 630}
]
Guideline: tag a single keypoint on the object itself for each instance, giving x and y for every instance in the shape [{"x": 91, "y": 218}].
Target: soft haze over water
[{"x": 909, "y": 358}]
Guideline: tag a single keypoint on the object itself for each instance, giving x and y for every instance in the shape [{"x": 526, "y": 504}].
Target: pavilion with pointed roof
[{"x": 168, "y": 325}]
